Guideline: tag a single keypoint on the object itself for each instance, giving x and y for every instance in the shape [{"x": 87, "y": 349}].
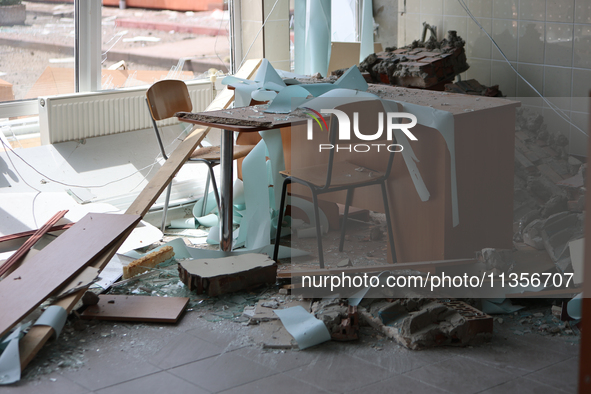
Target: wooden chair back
[{"x": 167, "y": 97}]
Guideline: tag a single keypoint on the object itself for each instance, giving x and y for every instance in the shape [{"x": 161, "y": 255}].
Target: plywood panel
[
  {"x": 29, "y": 285},
  {"x": 137, "y": 308}
]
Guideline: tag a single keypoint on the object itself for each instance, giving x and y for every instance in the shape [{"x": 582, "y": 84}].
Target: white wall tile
[
  {"x": 560, "y": 10},
  {"x": 504, "y": 32},
  {"x": 531, "y": 42},
  {"x": 477, "y": 43},
  {"x": 431, "y": 7},
  {"x": 557, "y": 85},
  {"x": 533, "y": 10},
  {"x": 534, "y": 74},
  {"x": 559, "y": 44},
  {"x": 503, "y": 75},
  {"x": 457, "y": 23},
  {"x": 505, "y": 9},
  {"x": 480, "y": 8},
  {"x": 480, "y": 71},
  {"x": 581, "y": 89},
  {"x": 582, "y": 46},
  {"x": 453, "y": 7},
  {"x": 582, "y": 11}
]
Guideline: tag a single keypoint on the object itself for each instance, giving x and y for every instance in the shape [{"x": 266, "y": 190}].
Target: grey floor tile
[
  {"x": 220, "y": 335},
  {"x": 460, "y": 375},
  {"x": 279, "y": 360},
  {"x": 45, "y": 385},
  {"x": 279, "y": 383},
  {"x": 183, "y": 349},
  {"x": 513, "y": 356},
  {"x": 399, "y": 384},
  {"x": 339, "y": 373},
  {"x": 398, "y": 359},
  {"x": 563, "y": 375},
  {"x": 109, "y": 369},
  {"x": 523, "y": 386},
  {"x": 161, "y": 382},
  {"x": 222, "y": 372}
]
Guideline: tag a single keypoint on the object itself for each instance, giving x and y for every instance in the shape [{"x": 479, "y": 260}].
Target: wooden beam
[
  {"x": 13, "y": 261},
  {"x": 24, "y": 234},
  {"x": 430, "y": 266}
]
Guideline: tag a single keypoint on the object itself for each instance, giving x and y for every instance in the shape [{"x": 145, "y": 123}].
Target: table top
[
  {"x": 252, "y": 119},
  {"x": 245, "y": 119}
]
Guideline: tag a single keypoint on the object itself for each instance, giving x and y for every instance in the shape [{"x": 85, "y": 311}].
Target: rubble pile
[
  {"x": 421, "y": 64},
  {"x": 549, "y": 190}
]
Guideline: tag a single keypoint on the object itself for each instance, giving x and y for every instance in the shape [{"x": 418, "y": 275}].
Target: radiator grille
[{"x": 84, "y": 115}]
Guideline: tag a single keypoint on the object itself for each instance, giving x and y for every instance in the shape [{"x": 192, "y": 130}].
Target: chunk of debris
[
  {"x": 421, "y": 64},
  {"x": 496, "y": 260},
  {"x": 228, "y": 274},
  {"x": 423, "y": 323},
  {"x": 147, "y": 262}
]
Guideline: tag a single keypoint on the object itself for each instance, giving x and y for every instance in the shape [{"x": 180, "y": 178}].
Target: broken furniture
[
  {"x": 164, "y": 99},
  {"x": 239, "y": 120},
  {"x": 339, "y": 174},
  {"x": 484, "y": 154}
]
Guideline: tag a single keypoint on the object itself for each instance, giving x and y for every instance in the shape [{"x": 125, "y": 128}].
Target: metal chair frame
[{"x": 327, "y": 188}]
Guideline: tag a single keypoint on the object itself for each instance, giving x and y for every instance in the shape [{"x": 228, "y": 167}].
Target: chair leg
[
  {"x": 388, "y": 222},
  {"x": 166, "y": 201},
  {"x": 345, "y": 216},
  {"x": 214, "y": 184},
  {"x": 205, "y": 195},
  {"x": 318, "y": 229},
  {"x": 286, "y": 182}
]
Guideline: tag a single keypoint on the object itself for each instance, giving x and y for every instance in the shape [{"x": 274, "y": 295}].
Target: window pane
[
  {"x": 37, "y": 57},
  {"x": 141, "y": 46}
]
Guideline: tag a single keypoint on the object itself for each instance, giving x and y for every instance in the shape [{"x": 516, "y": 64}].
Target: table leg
[{"x": 226, "y": 195}]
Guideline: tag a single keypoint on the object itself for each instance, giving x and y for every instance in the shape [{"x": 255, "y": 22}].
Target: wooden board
[
  {"x": 29, "y": 285},
  {"x": 137, "y": 308},
  {"x": 37, "y": 336}
]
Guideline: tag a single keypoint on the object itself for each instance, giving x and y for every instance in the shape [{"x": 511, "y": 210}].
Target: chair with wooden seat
[
  {"x": 343, "y": 174},
  {"x": 167, "y": 97}
]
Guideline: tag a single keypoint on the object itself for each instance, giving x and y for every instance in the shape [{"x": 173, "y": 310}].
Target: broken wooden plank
[
  {"x": 29, "y": 285},
  {"x": 426, "y": 266},
  {"x": 29, "y": 233},
  {"x": 37, "y": 336},
  {"x": 228, "y": 274},
  {"x": 147, "y": 262},
  {"x": 137, "y": 308},
  {"x": 13, "y": 260}
]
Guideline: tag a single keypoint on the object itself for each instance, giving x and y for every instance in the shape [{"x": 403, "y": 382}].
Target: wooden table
[{"x": 244, "y": 120}]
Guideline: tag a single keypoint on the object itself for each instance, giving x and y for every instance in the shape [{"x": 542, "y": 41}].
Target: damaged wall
[
  {"x": 385, "y": 13},
  {"x": 549, "y": 46}
]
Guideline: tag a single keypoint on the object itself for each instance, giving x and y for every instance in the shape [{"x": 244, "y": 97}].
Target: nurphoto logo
[{"x": 344, "y": 131}]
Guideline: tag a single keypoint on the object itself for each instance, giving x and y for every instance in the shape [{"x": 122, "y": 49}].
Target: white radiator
[{"x": 77, "y": 116}]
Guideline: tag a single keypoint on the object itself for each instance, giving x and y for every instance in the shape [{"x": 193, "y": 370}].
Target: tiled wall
[{"x": 547, "y": 41}]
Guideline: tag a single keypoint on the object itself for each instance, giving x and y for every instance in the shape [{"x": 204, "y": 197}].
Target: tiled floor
[{"x": 196, "y": 356}]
